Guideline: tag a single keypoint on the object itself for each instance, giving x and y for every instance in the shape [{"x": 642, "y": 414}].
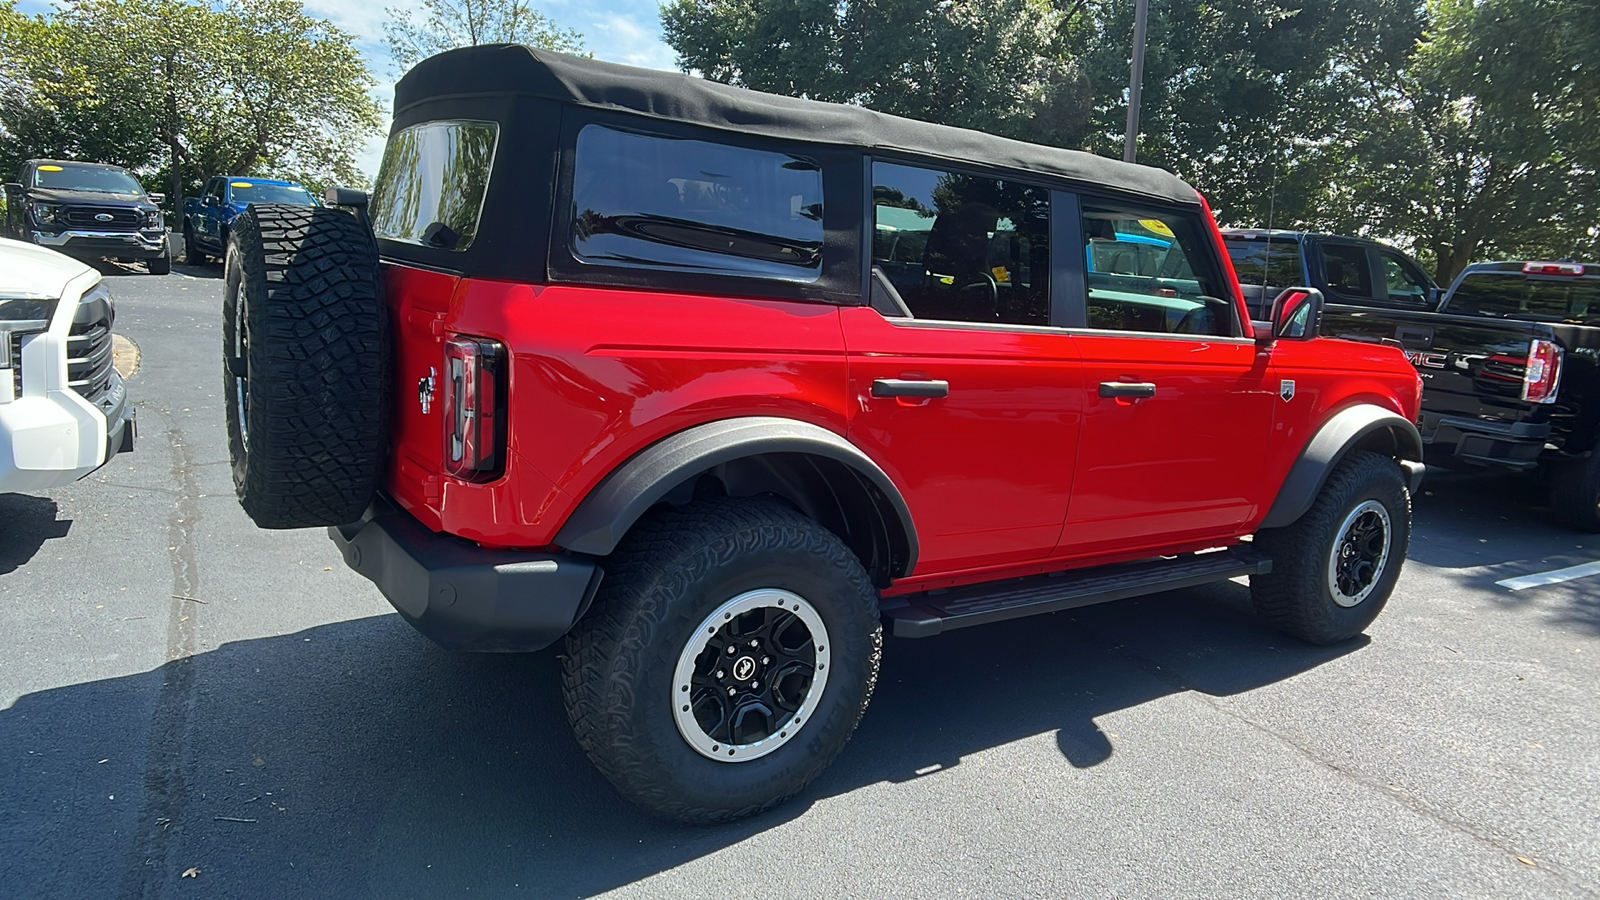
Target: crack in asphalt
[{"x": 166, "y": 781}]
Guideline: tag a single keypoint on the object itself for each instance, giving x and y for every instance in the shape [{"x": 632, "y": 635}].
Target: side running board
[{"x": 935, "y": 612}]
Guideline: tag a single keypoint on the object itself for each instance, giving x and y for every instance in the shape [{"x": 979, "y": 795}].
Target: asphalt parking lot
[{"x": 190, "y": 706}]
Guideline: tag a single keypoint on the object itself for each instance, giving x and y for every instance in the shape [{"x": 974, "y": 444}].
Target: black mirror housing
[{"x": 1297, "y": 314}]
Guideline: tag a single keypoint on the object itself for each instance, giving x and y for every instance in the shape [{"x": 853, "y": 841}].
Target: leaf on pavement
[{"x": 191, "y": 872}]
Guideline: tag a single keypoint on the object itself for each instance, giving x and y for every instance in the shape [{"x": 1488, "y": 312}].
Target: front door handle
[
  {"x": 1127, "y": 389},
  {"x": 903, "y": 387}
]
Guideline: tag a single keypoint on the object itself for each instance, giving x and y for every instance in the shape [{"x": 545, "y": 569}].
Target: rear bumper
[
  {"x": 1511, "y": 445},
  {"x": 136, "y": 244},
  {"x": 463, "y": 596}
]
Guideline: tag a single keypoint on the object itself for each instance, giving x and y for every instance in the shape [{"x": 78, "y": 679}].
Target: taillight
[
  {"x": 1544, "y": 367},
  {"x": 474, "y": 408}
]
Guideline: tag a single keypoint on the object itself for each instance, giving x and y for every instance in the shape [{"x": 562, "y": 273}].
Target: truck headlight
[
  {"x": 25, "y": 314},
  {"x": 152, "y": 218},
  {"x": 45, "y": 213}
]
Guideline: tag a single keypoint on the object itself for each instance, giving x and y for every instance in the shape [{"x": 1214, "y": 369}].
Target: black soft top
[{"x": 510, "y": 69}]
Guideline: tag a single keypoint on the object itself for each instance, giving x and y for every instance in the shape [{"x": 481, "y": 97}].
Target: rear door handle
[
  {"x": 902, "y": 387},
  {"x": 1127, "y": 389}
]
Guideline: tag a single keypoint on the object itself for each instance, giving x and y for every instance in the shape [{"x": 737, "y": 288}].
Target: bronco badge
[{"x": 1286, "y": 389}]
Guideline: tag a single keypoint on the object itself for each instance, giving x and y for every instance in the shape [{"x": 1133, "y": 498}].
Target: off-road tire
[
  {"x": 317, "y": 360},
  {"x": 1575, "y": 492},
  {"x": 1295, "y": 596},
  {"x": 159, "y": 265},
  {"x": 674, "y": 568},
  {"x": 192, "y": 254}
]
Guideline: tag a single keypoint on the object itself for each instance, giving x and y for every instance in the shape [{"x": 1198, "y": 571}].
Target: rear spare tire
[{"x": 306, "y": 365}]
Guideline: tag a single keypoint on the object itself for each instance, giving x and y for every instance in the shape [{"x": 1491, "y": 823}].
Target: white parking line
[{"x": 1554, "y": 576}]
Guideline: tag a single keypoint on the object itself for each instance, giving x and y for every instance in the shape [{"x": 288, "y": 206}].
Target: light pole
[{"x": 1136, "y": 79}]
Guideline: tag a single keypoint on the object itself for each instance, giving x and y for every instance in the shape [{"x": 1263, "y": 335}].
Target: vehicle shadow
[
  {"x": 1482, "y": 528},
  {"x": 26, "y": 522},
  {"x": 356, "y": 760}
]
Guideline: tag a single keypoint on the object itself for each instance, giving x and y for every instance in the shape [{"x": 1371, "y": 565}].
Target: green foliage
[
  {"x": 244, "y": 87},
  {"x": 467, "y": 23},
  {"x": 993, "y": 65}
]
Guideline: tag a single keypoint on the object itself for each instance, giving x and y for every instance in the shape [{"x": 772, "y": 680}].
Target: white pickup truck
[{"x": 63, "y": 408}]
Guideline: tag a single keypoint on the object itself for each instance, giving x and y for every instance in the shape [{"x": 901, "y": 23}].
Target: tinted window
[
  {"x": 431, "y": 186},
  {"x": 79, "y": 177},
  {"x": 1514, "y": 295},
  {"x": 1404, "y": 282},
  {"x": 960, "y": 247},
  {"x": 255, "y": 192},
  {"x": 1345, "y": 268},
  {"x": 695, "y": 206},
  {"x": 1275, "y": 264},
  {"x": 1142, "y": 273}
]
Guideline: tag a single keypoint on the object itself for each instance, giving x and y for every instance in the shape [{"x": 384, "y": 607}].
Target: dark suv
[
  {"x": 721, "y": 386},
  {"x": 88, "y": 211}
]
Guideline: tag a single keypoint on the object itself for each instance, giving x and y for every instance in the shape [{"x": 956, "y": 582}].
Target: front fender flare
[
  {"x": 601, "y": 519},
  {"x": 1343, "y": 432}
]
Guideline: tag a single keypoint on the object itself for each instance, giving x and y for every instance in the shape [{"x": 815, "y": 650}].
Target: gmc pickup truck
[
  {"x": 1510, "y": 374},
  {"x": 206, "y": 219}
]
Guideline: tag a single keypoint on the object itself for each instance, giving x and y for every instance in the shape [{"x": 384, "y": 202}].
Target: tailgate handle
[
  {"x": 1127, "y": 389},
  {"x": 903, "y": 387}
]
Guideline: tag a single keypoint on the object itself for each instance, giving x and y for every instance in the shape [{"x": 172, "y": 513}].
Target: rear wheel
[
  {"x": 732, "y": 650},
  {"x": 1334, "y": 568},
  {"x": 306, "y": 365},
  {"x": 1575, "y": 493}
]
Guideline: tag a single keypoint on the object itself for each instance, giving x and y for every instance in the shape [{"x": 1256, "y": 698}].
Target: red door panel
[
  {"x": 1184, "y": 464},
  {"x": 987, "y": 469}
]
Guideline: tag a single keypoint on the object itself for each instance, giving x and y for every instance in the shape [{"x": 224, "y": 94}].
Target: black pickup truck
[
  {"x": 1510, "y": 362},
  {"x": 1347, "y": 270}
]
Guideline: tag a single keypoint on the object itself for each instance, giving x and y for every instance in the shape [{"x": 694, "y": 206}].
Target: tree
[
  {"x": 467, "y": 23},
  {"x": 191, "y": 89},
  {"x": 993, "y": 65}
]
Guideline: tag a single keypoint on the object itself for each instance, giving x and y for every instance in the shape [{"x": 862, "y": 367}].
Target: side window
[
  {"x": 958, "y": 247},
  {"x": 1145, "y": 272},
  {"x": 695, "y": 206},
  {"x": 1403, "y": 280},
  {"x": 1274, "y": 264},
  {"x": 214, "y": 188},
  {"x": 1344, "y": 267}
]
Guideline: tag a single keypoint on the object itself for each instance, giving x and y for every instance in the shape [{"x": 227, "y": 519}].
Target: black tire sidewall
[{"x": 1348, "y": 621}]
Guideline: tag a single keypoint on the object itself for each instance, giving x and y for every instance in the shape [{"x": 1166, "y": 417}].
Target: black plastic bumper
[
  {"x": 459, "y": 594},
  {"x": 1511, "y": 445}
]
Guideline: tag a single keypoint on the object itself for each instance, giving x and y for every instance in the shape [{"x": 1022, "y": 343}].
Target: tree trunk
[
  {"x": 172, "y": 142},
  {"x": 1454, "y": 258}
]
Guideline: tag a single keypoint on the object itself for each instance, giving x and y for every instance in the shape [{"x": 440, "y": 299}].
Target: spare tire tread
[{"x": 318, "y": 365}]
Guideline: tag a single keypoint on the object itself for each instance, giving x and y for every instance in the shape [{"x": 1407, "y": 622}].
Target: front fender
[{"x": 1346, "y": 430}]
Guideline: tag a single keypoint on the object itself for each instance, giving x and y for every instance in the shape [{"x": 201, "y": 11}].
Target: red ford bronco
[{"x": 719, "y": 386}]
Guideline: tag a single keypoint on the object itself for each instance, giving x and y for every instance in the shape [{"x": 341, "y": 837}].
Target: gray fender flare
[
  {"x": 1343, "y": 432},
  {"x": 600, "y": 520}
]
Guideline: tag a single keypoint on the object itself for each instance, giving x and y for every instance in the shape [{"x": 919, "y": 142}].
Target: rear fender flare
[
  {"x": 1362, "y": 426},
  {"x": 604, "y": 516}
]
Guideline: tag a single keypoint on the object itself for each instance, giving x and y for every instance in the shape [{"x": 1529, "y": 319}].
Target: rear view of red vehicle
[{"x": 719, "y": 387}]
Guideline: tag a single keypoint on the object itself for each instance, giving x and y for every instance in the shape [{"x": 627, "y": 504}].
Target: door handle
[
  {"x": 1127, "y": 389},
  {"x": 903, "y": 387}
]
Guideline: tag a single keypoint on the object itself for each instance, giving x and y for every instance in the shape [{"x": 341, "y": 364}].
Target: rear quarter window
[
  {"x": 431, "y": 187},
  {"x": 687, "y": 205},
  {"x": 1518, "y": 296}
]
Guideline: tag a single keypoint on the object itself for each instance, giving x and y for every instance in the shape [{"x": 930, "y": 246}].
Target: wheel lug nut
[
  {"x": 754, "y": 642},
  {"x": 755, "y": 685},
  {"x": 721, "y": 674},
  {"x": 766, "y": 660},
  {"x": 732, "y": 690},
  {"x": 732, "y": 650}
]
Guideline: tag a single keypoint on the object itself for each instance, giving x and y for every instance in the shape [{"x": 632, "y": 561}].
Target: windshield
[
  {"x": 430, "y": 189},
  {"x": 1517, "y": 296},
  {"x": 255, "y": 192},
  {"x": 80, "y": 177}
]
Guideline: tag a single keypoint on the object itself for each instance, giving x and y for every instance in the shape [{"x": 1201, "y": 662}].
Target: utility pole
[{"x": 1136, "y": 80}]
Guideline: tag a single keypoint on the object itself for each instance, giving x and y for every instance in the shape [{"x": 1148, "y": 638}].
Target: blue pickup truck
[{"x": 206, "y": 218}]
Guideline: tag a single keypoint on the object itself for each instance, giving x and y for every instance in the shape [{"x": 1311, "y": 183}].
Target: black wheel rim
[
  {"x": 750, "y": 675},
  {"x": 1360, "y": 553}
]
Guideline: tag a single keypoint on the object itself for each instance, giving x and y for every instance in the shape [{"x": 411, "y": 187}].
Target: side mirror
[
  {"x": 211, "y": 200},
  {"x": 1434, "y": 296},
  {"x": 1297, "y": 314},
  {"x": 13, "y": 187},
  {"x": 157, "y": 199}
]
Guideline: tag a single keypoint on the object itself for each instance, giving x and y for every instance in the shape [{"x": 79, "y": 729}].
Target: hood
[
  {"x": 32, "y": 271},
  {"x": 52, "y": 195}
]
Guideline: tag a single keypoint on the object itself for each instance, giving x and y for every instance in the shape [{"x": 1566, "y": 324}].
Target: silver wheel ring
[
  {"x": 689, "y": 727},
  {"x": 1340, "y": 598}
]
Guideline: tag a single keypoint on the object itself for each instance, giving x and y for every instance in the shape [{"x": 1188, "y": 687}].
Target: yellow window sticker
[
  {"x": 1001, "y": 275},
  {"x": 252, "y": 184},
  {"x": 1157, "y": 226},
  {"x": 49, "y": 168}
]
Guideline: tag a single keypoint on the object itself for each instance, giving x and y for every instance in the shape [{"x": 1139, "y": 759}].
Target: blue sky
[{"x": 624, "y": 31}]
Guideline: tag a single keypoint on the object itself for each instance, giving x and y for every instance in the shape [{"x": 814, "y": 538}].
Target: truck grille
[
  {"x": 89, "y": 360},
  {"x": 122, "y": 218}
]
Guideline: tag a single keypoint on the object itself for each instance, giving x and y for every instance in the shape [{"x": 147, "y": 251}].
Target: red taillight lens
[
  {"x": 474, "y": 410},
  {"x": 1544, "y": 368}
]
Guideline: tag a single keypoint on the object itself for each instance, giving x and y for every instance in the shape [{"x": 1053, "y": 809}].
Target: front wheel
[
  {"x": 192, "y": 254},
  {"x": 160, "y": 265},
  {"x": 728, "y": 657},
  {"x": 1334, "y": 568}
]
